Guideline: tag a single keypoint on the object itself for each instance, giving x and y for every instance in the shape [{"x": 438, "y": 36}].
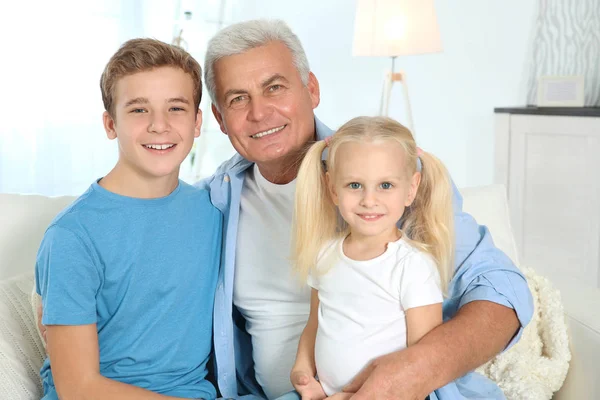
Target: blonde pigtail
[
  {"x": 430, "y": 219},
  {"x": 315, "y": 215}
]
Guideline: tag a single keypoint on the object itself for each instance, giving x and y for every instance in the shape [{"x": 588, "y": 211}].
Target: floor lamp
[{"x": 392, "y": 28}]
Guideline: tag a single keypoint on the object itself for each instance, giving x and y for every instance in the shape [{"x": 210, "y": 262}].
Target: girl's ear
[
  {"x": 415, "y": 181},
  {"x": 331, "y": 188}
]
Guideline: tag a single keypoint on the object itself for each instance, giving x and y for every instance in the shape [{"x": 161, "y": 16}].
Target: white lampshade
[{"x": 395, "y": 28}]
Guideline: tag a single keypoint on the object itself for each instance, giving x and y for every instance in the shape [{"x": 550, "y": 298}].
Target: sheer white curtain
[
  {"x": 53, "y": 53},
  {"x": 51, "y": 136}
]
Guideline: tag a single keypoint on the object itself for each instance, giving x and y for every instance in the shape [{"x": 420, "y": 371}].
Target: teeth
[
  {"x": 265, "y": 133},
  {"x": 158, "y": 146},
  {"x": 370, "y": 216}
]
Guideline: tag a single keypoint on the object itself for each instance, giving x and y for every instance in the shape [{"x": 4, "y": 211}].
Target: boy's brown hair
[{"x": 139, "y": 55}]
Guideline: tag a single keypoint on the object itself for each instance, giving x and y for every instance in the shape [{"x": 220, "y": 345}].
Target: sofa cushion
[
  {"x": 24, "y": 221},
  {"x": 21, "y": 349},
  {"x": 489, "y": 206}
]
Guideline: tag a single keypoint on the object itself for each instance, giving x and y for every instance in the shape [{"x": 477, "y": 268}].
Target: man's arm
[{"x": 75, "y": 362}]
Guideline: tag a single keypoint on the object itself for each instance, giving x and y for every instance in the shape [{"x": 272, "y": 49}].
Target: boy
[{"x": 127, "y": 273}]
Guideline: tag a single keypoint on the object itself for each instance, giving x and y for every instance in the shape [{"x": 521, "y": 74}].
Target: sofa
[{"x": 24, "y": 219}]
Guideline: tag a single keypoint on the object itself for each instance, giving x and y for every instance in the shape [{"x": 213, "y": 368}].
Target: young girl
[{"x": 379, "y": 272}]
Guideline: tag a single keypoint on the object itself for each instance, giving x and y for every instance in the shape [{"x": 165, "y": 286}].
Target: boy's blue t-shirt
[{"x": 144, "y": 271}]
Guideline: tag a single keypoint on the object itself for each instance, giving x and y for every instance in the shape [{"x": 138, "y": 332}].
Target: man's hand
[
  {"x": 41, "y": 326},
  {"x": 393, "y": 376},
  {"x": 307, "y": 386}
]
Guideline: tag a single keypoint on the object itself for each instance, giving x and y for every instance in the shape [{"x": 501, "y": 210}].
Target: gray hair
[{"x": 243, "y": 36}]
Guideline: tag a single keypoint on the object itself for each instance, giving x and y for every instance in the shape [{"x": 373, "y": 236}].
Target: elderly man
[{"x": 263, "y": 97}]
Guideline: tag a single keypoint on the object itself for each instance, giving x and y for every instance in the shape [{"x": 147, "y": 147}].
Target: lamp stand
[{"x": 391, "y": 78}]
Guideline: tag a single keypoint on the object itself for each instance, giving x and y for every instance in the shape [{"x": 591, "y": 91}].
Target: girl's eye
[
  {"x": 386, "y": 185},
  {"x": 354, "y": 185}
]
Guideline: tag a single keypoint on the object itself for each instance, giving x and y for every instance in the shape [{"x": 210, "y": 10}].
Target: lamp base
[{"x": 391, "y": 78}]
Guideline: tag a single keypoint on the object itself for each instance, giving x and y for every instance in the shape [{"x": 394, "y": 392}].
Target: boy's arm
[
  {"x": 74, "y": 356},
  {"x": 304, "y": 370}
]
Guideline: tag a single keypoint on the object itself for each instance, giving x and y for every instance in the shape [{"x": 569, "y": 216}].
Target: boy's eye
[
  {"x": 386, "y": 185},
  {"x": 138, "y": 111},
  {"x": 177, "y": 109},
  {"x": 355, "y": 185}
]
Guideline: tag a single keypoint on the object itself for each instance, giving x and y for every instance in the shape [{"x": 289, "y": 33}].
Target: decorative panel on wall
[{"x": 567, "y": 42}]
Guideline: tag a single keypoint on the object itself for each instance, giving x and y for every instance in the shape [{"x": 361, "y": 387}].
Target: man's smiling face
[{"x": 262, "y": 104}]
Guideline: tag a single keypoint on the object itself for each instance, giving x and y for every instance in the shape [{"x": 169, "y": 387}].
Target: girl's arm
[
  {"x": 420, "y": 320},
  {"x": 304, "y": 370},
  {"x": 305, "y": 358},
  {"x": 75, "y": 361}
]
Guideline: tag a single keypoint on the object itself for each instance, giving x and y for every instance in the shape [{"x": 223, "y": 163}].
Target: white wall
[{"x": 453, "y": 93}]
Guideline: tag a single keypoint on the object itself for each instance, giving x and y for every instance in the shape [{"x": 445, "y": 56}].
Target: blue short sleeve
[{"x": 67, "y": 278}]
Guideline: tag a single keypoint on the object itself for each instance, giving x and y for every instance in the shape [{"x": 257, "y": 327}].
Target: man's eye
[
  {"x": 386, "y": 185},
  {"x": 274, "y": 88},
  {"x": 237, "y": 99},
  {"x": 354, "y": 185}
]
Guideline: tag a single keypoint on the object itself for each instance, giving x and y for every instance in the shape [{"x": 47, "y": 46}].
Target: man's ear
[
  {"x": 415, "y": 181},
  {"x": 109, "y": 125},
  {"x": 198, "y": 124},
  {"x": 218, "y": 117},
  {"x": 331, "y": 189},
  {"x": 314, "y": 90}
]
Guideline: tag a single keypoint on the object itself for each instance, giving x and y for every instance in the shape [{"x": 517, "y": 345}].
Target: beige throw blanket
[{"x": 535, "y": 367}]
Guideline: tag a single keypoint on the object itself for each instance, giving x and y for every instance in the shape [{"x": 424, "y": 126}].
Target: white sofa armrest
[
  {"x": 21, "y": 349},
  {"x": 582, "y": 309}
]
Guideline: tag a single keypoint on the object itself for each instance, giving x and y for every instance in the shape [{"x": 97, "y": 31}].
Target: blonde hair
[
  {"x": 427, "y": 223},
  {"x": 139, "y": 55}
]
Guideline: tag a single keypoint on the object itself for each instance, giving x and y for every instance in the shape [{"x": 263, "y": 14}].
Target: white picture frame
[{"x": 561, "y": 91}]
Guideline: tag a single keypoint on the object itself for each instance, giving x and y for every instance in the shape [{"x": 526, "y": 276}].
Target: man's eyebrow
[
  {"x": 178, "y": 100},
  {"x": 274, "y": 78},
  {"x": 137, "y": 100}
]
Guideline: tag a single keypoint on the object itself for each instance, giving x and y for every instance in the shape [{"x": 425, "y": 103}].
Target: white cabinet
[{"x": 550, "y": 165}]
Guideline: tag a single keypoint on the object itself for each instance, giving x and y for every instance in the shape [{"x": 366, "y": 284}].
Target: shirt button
[{"x": 226, "y": 178}]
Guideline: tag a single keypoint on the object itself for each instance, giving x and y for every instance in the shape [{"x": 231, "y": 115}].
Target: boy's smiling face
[{"x": 155, "y": 122}]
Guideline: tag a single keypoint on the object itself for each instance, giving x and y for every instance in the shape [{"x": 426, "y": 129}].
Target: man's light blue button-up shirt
[{"x": 482, "y": 272}]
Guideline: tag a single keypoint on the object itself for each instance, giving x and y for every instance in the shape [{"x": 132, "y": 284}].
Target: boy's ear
[
  {"x": 109, "y": 125},
  {"x": 198, "y": 124},
  {"x": 414, "y": 187},
  {"x": 218, "y": 117},
  {"x": 331, "y": 188}
]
